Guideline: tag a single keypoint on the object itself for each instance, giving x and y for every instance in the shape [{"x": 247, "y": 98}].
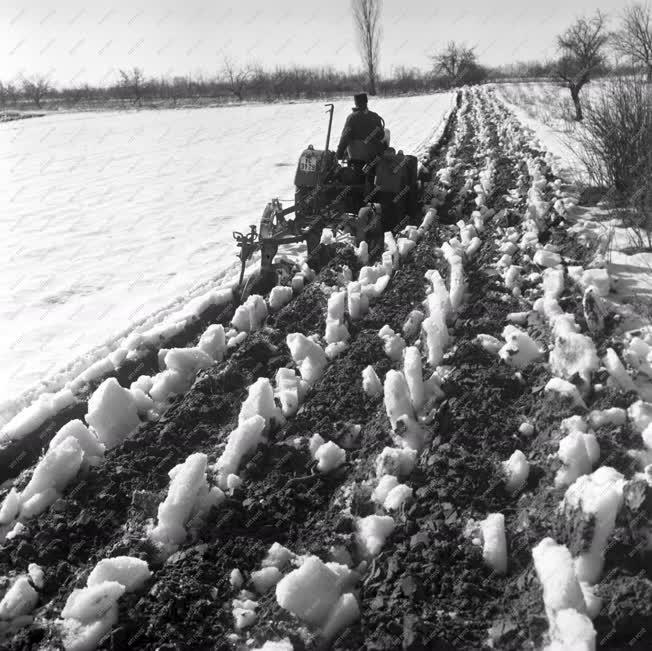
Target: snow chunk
[
  {"x": 19, "y": 600},
  {"x": 489, "y": 343},
  {"x": 260, "y": 402},
  {"x": 397, "y": 397},
  {"x": 187, "y": 361},
  {"x": 235, "y": 578},
  {"x": 266, "y": 578},
  {"x": 242, "y": 441},
  {"x": 309, "y": 592},
  {"x": 494, "y": 550},
  {"x": 520, "y": 349},
  {"x": 385, "y": 484},
  {"x": 545, "y": 258},
  {"x": 55, "y": 470},
  {"x": 612, "y": 416},
  {"x": 397, "y": 497},
  {"x": 565, "y": 389},
  {"x": 554, "y": 567},
  {"x": 571, "y": 630},
  {"x": 640, "y": 413},
  {"x": 308, "y": 355},
  {"x": 394, "y": 343},
  {"x": 168, "y": 383},
  {"x": 330, "y": 456},
  {"x": 343, "y": 614},
  {"x": 573, "y": 354},
  {"x": 373, "y": 531},
  {"x": 413, "y": 373},
  {"x": 279, "y": 297},
  {"x": 112, "y": 413},
  {"x": 278, "y": 556},
  {"x": 36, "y": 574},
  {"x": 516, "y": 469},
  {"x": 88, "y": 442},
  {"x": 413, "y": 323},
  {"x": 187, "y": 494},
  {"x": 277, "y": 645},
  {"x": 436, "y": 335},
  {"x": 617, "y": 371},
  {"x": 574, "y": 455},
  {"x": 370, "y": 382},
  {"x": 129, "y": 571},
  {"x": 600, "y": 495},
  {"x": 90, "y": 604},
  {"x": 213, "y": 342},
  {"x": 250, "y": 315},
  {"x": 598, "y": 279},
  {"x": 395, "y": 461},
  {"x": 290, "y": 390}
]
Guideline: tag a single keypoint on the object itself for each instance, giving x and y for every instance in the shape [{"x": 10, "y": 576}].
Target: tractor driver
[{"x": 363, "y": 136}]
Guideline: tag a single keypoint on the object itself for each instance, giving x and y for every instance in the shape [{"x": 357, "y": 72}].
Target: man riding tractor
[{"x": 363, "y": 141}]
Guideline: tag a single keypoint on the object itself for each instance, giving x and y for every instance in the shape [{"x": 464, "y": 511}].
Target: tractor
[{"x": 364, "y": 196}]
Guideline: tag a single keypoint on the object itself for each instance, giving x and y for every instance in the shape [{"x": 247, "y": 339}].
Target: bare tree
[
  {"x": 366, "y": 17},
  {"x": 133, "y": 82},
  {"x": 236, "y": 77},
  {"x": 35, "y": 88},
  {"x": 634, "y": 39},
  {"x": 582, "y": 46},
  {"x": 455, "y": 62}
]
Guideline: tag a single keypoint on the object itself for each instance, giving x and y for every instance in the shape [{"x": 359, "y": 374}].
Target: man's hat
[{"x": 360, "y": 100}]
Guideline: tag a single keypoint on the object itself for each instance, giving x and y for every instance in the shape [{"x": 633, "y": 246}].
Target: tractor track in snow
[{"x": 429, "y": 587}]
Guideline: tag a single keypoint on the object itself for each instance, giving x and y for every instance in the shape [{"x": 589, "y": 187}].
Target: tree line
[{"x": 582, "y": 55}]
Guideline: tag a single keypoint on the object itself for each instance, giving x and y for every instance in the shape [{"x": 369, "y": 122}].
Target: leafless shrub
[{"x": 615, "y": 145}]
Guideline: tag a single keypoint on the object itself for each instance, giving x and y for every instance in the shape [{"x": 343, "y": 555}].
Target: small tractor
[{"x": 363, "y": 196}]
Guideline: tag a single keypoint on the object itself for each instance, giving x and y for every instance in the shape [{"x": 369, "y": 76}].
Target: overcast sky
[{"x": 76, "y": 41}]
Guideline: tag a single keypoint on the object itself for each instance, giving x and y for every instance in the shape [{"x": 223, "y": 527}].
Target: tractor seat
[{"x": 364, "y": 152}]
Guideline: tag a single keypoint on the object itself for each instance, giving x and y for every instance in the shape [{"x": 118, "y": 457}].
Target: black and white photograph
[{"x": 326, "y": 325}]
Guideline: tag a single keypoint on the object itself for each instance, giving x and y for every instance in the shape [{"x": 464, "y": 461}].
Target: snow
[
  {"x": 235, "y": 578},
  {"x": 494, "y": 543},
  {"x": 187, "y": 495},
  {"x": 565, "y": 389},
  {"x": 412, "y": 324},
  {"x": 617, "y": 372},
  {"x": 187, "y": 361},
  {"x": 545, "y": 258},
  {"x": 308, "y": 355},
  {"x": 289, "y": 390},
  {"x": 571, "y": 631},
  {"x": 213, "y": 341},
  {"x": 329, "y": 456},
  {"x": 88, "y": 442},
  {"x": 520, "y": 350},
  {"x": 640, "y": 413},
  {"x": 611, "y": 416},
  {"x": 574, "y": 454},
  {"x": 598, "y": 279},
  {"x": 309, "y": 592},
  {"x": 397, "y": 497},
  {"x": 242, "y": 441},
  {"x": 278, "y": 556},
  {"x": 599, "y": 495},
  {"x": 561, "y": 589},
  {"x": 395, "y": 461},
  {"x": 373, "y": 531},
  {"x": 345, "y": 611},
  {"x": 279, "y": 296},
  {"x": 266, "y": 578},
  {"x": 385, "y": 484},
  {"x": 574, "y": 353},
  {"x": 397, "y": 397},
  {"x": 370, "y": 382},
  {"x": 260, "y": 402},
  {"x": 394, "y": 344},
  {"x": 278, "y": 645},
  {"x": 57, "y": 317},
  {"x": 112, "y": 413},
  {"x": 129, "y": 571},
  {"x": 20, "y": 599},
  {"x": 90, "y": 603},
  {"x": 250, "y": 315},
  {"x": 516, "y": 469},
  {"x": 413, "y": 372}
]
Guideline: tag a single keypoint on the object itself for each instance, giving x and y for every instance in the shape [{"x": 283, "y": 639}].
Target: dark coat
[{"x": 365, "y": 125}]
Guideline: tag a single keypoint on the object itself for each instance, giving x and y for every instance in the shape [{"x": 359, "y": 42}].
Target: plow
[{"x": 364, "y": 195}]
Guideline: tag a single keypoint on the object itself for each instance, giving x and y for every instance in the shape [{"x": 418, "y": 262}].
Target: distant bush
[{"x": 616, "y": 148}]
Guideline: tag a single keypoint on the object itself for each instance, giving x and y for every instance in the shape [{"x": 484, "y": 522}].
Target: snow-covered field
[{"x": 112, "y": 220}]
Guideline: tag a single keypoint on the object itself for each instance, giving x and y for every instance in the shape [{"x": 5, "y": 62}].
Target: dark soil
[{"x": 429, "y": 587}]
